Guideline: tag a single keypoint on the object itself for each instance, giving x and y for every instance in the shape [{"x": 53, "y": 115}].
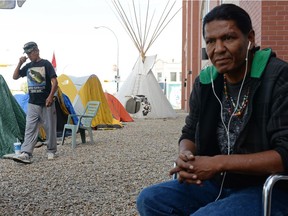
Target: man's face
[
  {"x": 226, "y": 46},
  {"x": 33, "y": 55}
]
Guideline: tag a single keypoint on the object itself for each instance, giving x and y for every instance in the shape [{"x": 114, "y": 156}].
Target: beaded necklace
[{"x": 241, "y": 106}]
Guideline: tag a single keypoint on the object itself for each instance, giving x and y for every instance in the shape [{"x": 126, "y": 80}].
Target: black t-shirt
[
  {"x": 39, "y": 76},
  {"x": 236, "y": 123}
]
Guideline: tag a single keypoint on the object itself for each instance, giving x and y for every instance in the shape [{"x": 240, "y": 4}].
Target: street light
[{"x": 117, "y": 77}]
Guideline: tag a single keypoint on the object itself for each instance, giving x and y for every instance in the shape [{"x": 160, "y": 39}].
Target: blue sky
[{"x": 67, "y": 28}]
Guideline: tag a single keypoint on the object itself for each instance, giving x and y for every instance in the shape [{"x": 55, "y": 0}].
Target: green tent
[{"x": 12, "y": 120}]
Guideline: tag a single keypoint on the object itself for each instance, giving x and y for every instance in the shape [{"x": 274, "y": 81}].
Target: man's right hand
[
  {"x": 16, "y": 71},
  {"x": 183, "y": 165},
  {"x": 22, "y": 59}
]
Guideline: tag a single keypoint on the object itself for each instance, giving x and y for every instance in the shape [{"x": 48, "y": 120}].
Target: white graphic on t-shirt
[{"x": 36, "y": 79}]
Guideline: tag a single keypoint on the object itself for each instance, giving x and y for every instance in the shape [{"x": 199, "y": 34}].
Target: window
[
  {"x": 173, "y": 76},
  {"x": 159, "y": 76}
]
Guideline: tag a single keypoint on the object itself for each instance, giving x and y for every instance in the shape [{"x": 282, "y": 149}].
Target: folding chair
[
  {"x": 267, "y": 191},
  {"x": 84, "y": 123}
]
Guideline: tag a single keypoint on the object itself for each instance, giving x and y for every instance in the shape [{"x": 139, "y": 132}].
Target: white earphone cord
[{"x": 235, "y": 110}]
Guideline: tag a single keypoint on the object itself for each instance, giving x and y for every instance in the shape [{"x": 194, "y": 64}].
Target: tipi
[{"x": 141, "y": 94}]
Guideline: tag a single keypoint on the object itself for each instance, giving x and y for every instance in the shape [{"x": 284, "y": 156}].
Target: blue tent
[{"x": 22, "y": 100}]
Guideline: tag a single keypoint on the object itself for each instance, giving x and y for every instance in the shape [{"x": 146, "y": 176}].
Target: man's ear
[{"x": 251, "y": 38}]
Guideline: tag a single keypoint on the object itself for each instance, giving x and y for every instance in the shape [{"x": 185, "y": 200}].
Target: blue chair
[{"x": 84, "y": 123}]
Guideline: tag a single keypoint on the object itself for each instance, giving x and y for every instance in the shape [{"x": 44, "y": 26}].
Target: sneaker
[
  {"x": 51, "y": 156},
  {"x": 39, "y": 144},
  {"x": 23, "y": 158}
]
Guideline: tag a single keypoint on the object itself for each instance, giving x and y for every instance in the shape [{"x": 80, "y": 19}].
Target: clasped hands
[{"x": 195, "y": 169}]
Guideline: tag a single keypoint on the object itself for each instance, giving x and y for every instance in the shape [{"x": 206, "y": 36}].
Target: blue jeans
[{"x": 172, "y": 198}]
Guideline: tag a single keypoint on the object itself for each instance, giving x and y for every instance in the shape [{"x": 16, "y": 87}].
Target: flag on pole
[{"x": 54, "y": 61}]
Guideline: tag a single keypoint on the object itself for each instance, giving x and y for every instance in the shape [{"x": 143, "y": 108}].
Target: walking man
[{"x": 42, "y": 85}]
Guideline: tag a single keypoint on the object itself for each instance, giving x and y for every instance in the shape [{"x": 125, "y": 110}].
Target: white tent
[{"x": 141, "y": 94}]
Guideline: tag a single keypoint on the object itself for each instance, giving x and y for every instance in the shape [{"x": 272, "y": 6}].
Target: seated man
[{"x": 236, "y": 133}]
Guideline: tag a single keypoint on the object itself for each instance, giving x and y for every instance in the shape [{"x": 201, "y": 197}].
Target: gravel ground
[{"x": 101, "y": 178}]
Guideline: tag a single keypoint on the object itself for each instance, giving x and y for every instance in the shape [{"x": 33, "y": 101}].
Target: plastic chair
[
  {"x": 267, "y": 191},
  {"x": 84, "y": 123}
]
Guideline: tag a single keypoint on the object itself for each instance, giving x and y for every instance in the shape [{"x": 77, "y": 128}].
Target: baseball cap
[{"x": 29, "y": 47}]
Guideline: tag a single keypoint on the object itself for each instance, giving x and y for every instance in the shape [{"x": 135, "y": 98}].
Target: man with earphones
[{"x": 236, "y": 133}]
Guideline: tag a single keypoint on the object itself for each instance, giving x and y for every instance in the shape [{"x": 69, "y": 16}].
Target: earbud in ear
[
  {"x": 248, "y": 49},
  {"x": 249, "y": 44}
]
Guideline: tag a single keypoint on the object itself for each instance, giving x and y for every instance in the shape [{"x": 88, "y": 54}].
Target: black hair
[{"x": 229, "y": 12}]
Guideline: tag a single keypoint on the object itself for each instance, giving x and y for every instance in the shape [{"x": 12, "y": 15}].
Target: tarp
[
  {"x": 117, "y": 109},
  {"x": 80, "y": 90},
  {"x": 12, "y": 120},
  {"x": 11, "y": 4},
  {"x": 64, "y": 107}
]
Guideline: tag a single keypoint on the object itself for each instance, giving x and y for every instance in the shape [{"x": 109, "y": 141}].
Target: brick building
[{"x": 268, "y": 20}]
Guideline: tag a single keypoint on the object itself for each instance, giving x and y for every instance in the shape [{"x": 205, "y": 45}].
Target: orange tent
[{"x": 117, "y": 109}]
